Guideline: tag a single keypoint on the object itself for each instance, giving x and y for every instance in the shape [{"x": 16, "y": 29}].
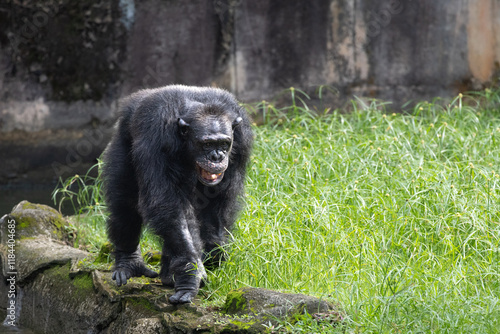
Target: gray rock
[
  {"x": 255, "y": 307},
  {"x": 34, "y": 220},
  {"x": 35, "y": 255},
  {"x": 263, "y": 302}
]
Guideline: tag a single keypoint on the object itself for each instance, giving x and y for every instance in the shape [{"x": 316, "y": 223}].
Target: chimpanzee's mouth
[{"x": 208, "y": 178}]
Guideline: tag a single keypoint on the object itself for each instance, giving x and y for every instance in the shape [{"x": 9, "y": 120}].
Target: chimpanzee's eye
[{"x": 207, "y": 145}]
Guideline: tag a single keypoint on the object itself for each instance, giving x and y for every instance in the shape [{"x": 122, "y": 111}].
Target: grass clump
[
  {"x": 394, "y": 216},
  {"x": 84, "y": 195}
]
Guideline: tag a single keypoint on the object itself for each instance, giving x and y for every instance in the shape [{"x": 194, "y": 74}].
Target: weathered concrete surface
[
  {"x": 65, "y": 290},
  {"x": 66, "y": 63}
]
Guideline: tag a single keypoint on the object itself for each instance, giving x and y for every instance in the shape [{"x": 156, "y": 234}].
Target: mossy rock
[
  {"x": 247, "y": 309},
  {"x": 37, "y": 220},
  {"x": 270, "y": 305},
  {"x": 37, "y": 254},
  {"x": 64, "y": 304}
]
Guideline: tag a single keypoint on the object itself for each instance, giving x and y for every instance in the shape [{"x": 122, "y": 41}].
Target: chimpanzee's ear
[
  {"x": 237, "y": 121},
  {"x": 183, "y": 126}
]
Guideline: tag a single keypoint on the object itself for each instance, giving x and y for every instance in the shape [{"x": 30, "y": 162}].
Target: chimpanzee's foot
[
  {"x": 183, "y": 296},
  {"x": 187, "y": 283},
  {"x": 129, "y": 265}
]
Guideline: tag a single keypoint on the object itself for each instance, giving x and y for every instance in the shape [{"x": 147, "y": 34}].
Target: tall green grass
[
  {"x": 393, "y": 216},
  {"x": 83, "y": 195}
]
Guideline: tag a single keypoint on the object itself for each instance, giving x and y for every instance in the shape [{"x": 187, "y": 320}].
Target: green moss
[
  {"x": 74, "y": 290},
  {"x": 143, "y": 303},
  {"x": 27, "y": 206},
  {"x": 24, "y": 222},
  {"x": 83, "y": 282},
  {"x": 235, "y": 302},
  {"x": 60, "y": 273}
]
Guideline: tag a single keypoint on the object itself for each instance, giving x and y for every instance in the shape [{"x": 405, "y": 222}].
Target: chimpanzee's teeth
[{"x": 209, "y": 176}]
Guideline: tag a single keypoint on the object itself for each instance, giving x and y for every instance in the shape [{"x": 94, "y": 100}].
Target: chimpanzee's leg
[
  {"x": 166, "y": 276},
  {"x": 181, "y": 258},
  {"x": 124, "y": 223}
]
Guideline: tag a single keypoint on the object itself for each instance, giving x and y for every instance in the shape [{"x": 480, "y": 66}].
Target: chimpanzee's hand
[{"x": 129, "y": 265}]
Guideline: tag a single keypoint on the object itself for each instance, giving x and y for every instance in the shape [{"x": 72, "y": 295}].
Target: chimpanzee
[{"x": 177, "y": 164}]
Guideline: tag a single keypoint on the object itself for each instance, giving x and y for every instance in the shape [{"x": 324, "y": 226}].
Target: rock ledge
[{"x": 56, "y": 294}]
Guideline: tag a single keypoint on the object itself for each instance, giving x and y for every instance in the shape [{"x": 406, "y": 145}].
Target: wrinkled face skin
[{"x": 210, "y": 140}]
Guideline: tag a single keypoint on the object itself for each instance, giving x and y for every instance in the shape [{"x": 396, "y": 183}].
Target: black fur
[{"x": 163, "y": 168}]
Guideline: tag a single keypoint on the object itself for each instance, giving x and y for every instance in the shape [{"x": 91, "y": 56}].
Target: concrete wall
[{"x": 66, "y": 63}]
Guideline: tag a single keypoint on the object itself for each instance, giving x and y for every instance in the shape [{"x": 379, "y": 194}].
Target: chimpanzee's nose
[{"x": 216, "y": 156}]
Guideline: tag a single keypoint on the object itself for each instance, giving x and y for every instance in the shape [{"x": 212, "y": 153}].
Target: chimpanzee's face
[{"x": 210, "y": 139}]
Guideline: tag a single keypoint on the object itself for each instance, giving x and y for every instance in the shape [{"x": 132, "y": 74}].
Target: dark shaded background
[{"x": 64, "y": 64}]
